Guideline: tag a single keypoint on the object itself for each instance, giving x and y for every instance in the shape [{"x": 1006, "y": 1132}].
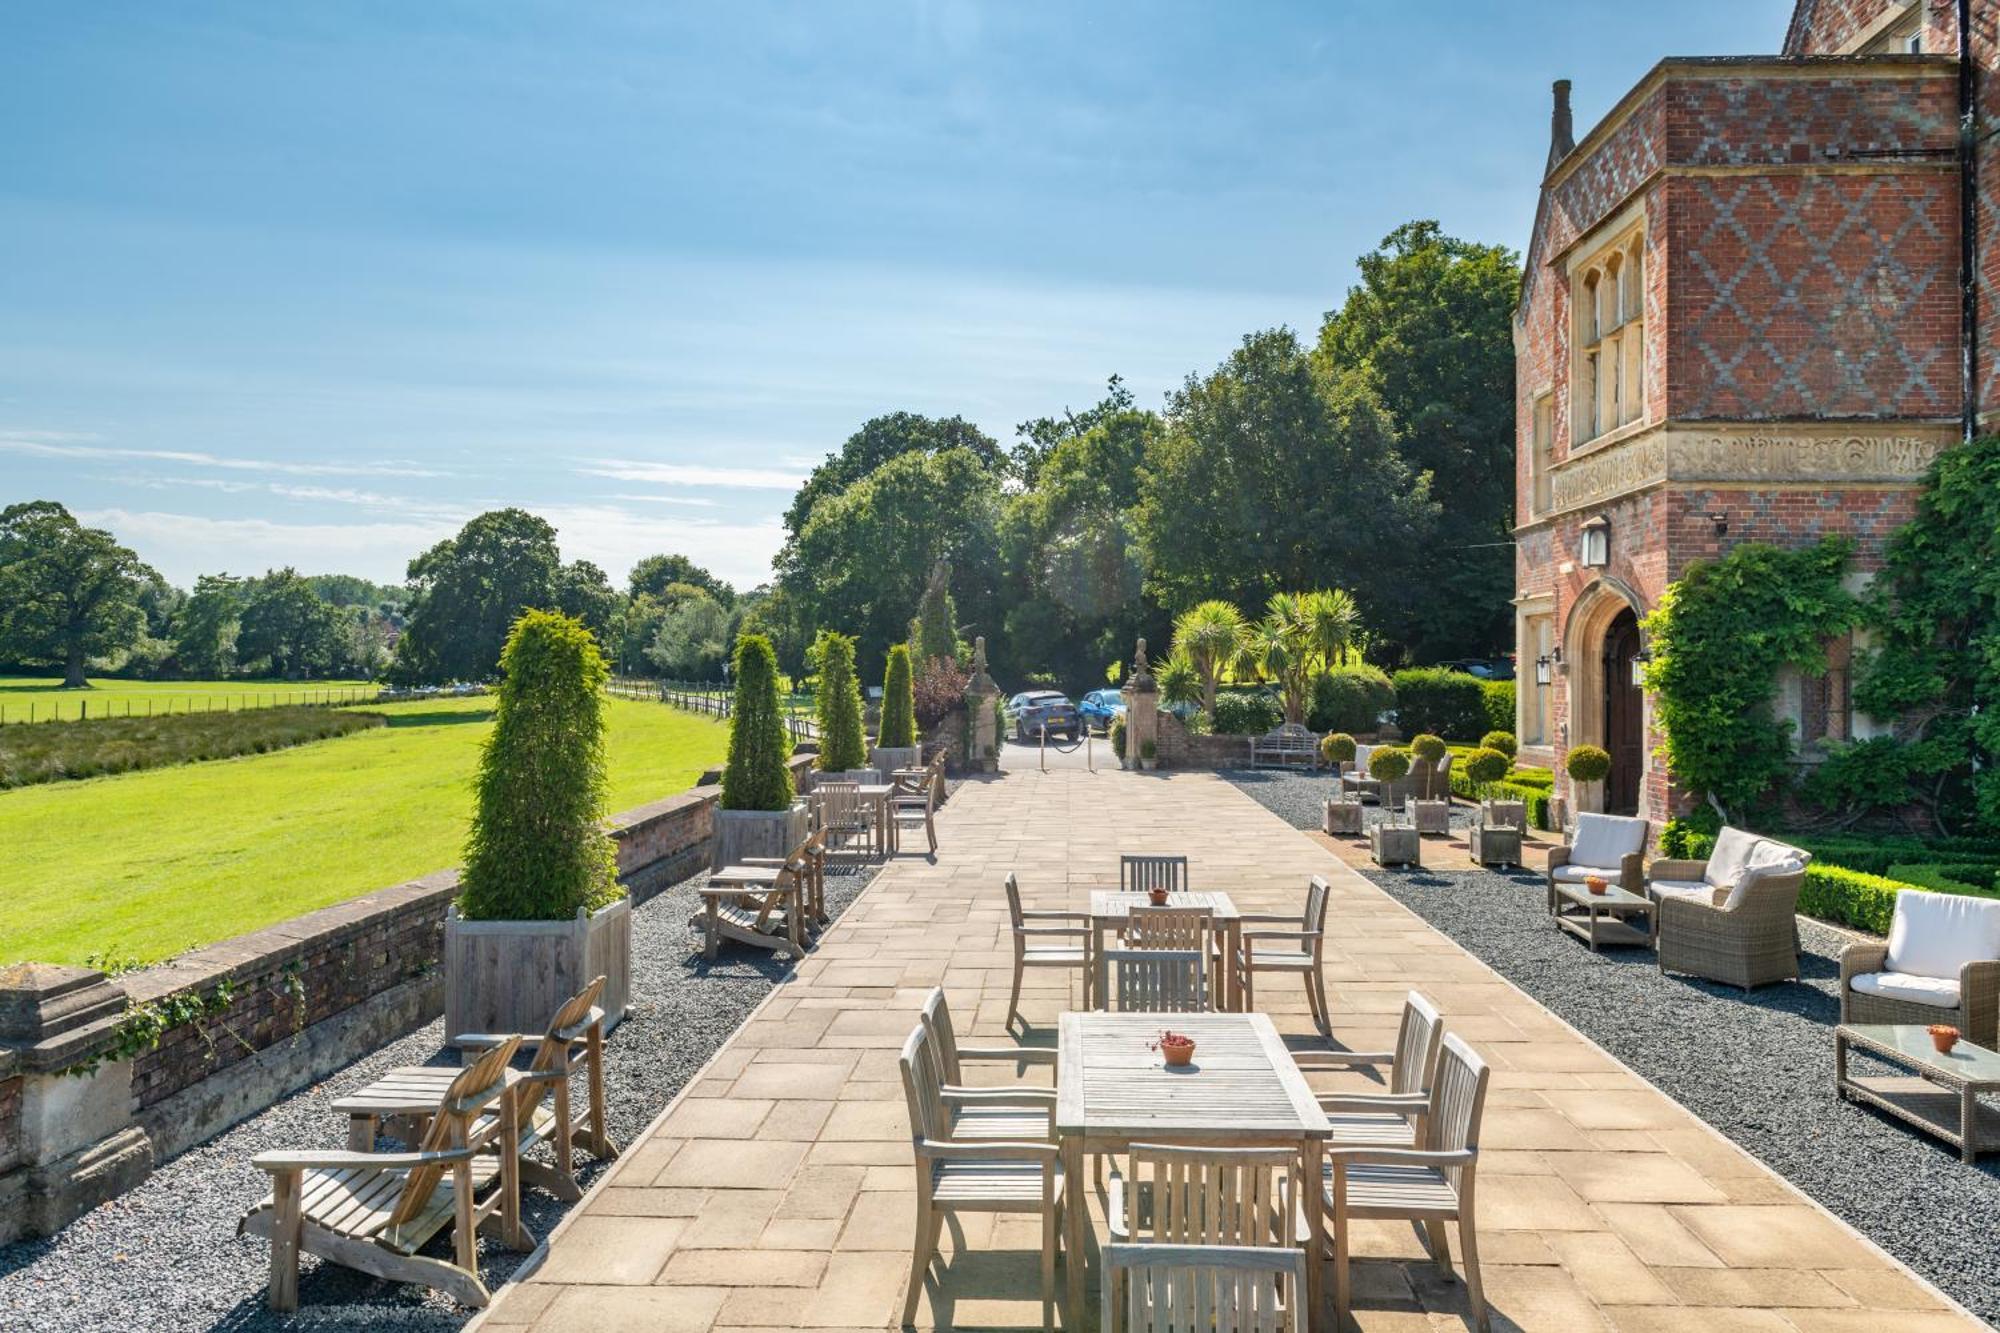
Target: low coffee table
[
  {"x": 1603, "y": 918},
  {"x": 1943, "y": 1097}
]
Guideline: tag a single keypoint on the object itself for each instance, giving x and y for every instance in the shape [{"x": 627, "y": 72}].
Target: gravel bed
[
  {"x": 1300, "y": 798},
  {"x": 1759, "y": 1068},
  {"x": 165, "y": 1256}
]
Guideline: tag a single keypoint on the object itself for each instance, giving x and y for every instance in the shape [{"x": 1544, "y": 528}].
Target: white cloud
[
  {"x": 617, "y": 539},
  {"x": 695, "y": 474},
  {"x": 690, "y": 500},
  {"x": 37, "y": 444}
]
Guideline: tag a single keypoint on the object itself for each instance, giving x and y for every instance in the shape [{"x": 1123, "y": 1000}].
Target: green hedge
[
  {"x": 1246, "y": 713},
  {"x": 1445, "y": 703},
  {"x": 1498, "y": 696},
  {"x": 1350, "y": 699},
  {"x": 1511, "y": 788}
]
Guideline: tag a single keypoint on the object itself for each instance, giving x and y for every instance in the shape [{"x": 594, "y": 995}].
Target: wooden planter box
[
  {"x": 1431, "y": 816},
  {"x": 1513, "y": 814},
  {"x": 1496, "y": 845},
  {"x": 741, "y": 833},
  {"x": 511, "y": 976},
  {"x": 1395, "y": 845},
  {"x": 888, "y": 760},
  {"x": 1343, "y": 817}
]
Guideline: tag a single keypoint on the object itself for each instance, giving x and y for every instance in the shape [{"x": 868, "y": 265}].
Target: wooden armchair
[
  {"x": 1160, "y": 981},
  {"x": 1020, "y": 1111},
  {"x": 1138, "y": 873},
  {"x": 373, "y": 1211},
  {"x": 1205, "y": 1196},
  {"x": 1039, "y": 941},
  {"x": 1204, "y": 1289},
  {"x": 958, "y": 1175},
  {"x": 1299, "y": 947},
  {"x": 577, "y": 1030},
  {"x": 1393, "y": 1117},
  {"x": 807, "y": 864},
  {"x": 913, "y": 805}
]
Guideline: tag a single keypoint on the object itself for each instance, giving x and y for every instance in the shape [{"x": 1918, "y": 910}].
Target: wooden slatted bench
[{"x": 1285, "y": 746}]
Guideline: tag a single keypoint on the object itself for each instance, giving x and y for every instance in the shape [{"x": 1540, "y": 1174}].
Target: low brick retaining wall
[{"x": 304, "y": 998}]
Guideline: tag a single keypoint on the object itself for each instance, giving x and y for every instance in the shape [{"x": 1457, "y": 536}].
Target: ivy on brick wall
[
  {"x": 1718, "y": 638},
  {"x": 1935, "y": 610}
]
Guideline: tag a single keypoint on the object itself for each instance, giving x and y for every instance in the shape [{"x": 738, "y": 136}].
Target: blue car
[
  {"x": 1100, "y": 708},
  {"x": 1036, "y": 711}
]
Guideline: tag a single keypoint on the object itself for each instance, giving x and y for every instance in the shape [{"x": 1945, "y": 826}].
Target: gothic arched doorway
[{"x": 1624, "y": 715}]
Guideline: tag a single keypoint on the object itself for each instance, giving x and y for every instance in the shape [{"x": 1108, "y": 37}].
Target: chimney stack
[{"x": 1562, "y": 137}]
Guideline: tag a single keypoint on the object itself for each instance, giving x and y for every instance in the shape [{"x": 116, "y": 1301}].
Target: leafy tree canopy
[
  {"x": 653, "y": 575},
  {"x": 881, "y": 440},
  {"x": 467, "y": 591},
  {"x": 67, "y": 592},
  {"x": 285, "y": 622}
]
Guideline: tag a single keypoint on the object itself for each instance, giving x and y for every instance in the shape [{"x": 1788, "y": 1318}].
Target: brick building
[{"x": 1741, "y": 320}]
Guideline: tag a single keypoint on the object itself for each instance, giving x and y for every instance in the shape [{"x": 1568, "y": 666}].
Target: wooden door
[{"x": 1624, "y": 717}]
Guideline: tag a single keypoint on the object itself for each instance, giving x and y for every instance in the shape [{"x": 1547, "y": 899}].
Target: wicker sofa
[
  {"x": 1732, "y": 918},
  {"x": 1612, "y": 847},
  {"x": 1940, "y": 964}
]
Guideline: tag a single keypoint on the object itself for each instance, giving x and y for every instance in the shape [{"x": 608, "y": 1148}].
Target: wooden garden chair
[
  {"x": 807, "y": 862},
  {"x": 1204, "y": 1289},
  {"x": 1300, "y": 950},
  {"x": 373, "y": 1211},
  {"x": 753, "y": 906},
  {"x": 1429, "y": 1186},
  {"x": 1206, "y": 1196},
  {"x": 1138, "y": 873},
  {"x": 1394, "y": 1117},
  {"x": 1160, "y": 981},
  {"x": 1040, "y": 942},
  {"x": 958, "y": 1175},
  {"x": 844, "y": 817},
  {"x": 542, "y": 1111},
  {"x": 913, "y": 805},
  {"x": 1015, "y": 1111}
]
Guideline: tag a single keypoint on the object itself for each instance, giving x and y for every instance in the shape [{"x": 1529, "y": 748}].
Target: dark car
[
  {"x": 1486, "y": 668},
  {"x": 1036, "y": 711}
]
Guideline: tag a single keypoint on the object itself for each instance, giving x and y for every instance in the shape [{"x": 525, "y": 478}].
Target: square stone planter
[
  {"x": 511, "y": 976},
  {"x": 1343, "y": 817},
  {"x": 1395, "y": 845},
  {"x": 888, "y": 760},
  {"x": 741, "y": 833},
  {"x": 1496, "y": 844},
  {"x": 1431, "y": 816}
]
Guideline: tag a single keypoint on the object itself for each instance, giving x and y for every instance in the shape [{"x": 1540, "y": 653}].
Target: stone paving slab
[{"x": 778, "y": 1192}]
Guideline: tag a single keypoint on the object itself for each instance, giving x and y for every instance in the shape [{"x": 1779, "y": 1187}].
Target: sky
[{"x": 311, "y": 285}]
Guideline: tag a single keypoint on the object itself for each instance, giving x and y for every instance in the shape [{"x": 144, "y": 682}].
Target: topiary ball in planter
[
  {"x": 1587, "y": 763},
  {"x": 1388, "y": 763},
  {"x": 1428, "y": 748},
  {"x": 540, "y": 911},
  {"x": 1337, "y": 748},
  {"x": 1503, "y": 741},
  {"x": 1484, "y": 767}
]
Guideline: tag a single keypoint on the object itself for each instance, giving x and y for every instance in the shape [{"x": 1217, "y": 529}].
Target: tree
[
  {"x": 842, "y": 745},
  {"x": 881, "y": 440},
  {"x": 636, "y": 630},
  {"x": 1271, "y": 475},
  {"x": 67, "y": 592},
  {"x": 583, "y": 593},
  {"x": 936, "y": 629},
  {"x": 757, "y": 775},
  {"x": 467, "y": 591},
  {"x": 205, "y": 644},
  {"x": 537, "y": 850},
  {"x": 899, "y": 705},
  {"x": 866, "y": 555},
  {"x": 285, "y": 621},
  {"x": 652, "y": 575},
  {"x": 693, "y": 639},
  {"x": 1299, "y": 637},
  {"x": 1430, "y": 329},
  {"x": 1040, "y": 438},
  {"x": 1208, "y": 635}
]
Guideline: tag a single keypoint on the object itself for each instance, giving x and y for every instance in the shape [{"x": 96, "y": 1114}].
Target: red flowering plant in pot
[
  {"x": 1597, "y": 884},
  {"x": 1157, "y": 897},
  {"x": 1176, "y": 1047},
  {"x": 1943, "y": 1036}
]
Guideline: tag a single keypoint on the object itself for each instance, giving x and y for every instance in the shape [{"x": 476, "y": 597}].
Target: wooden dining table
[
  {"x": 1108, "y": 910},
  {"x": 1241, "y": 1091}
]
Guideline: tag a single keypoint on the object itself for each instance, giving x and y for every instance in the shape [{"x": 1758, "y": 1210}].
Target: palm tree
[
  {"x": 1209, "y": 634},
  {"x": 1301, "y": 635},
  {"x": 1333, "y": 622}
]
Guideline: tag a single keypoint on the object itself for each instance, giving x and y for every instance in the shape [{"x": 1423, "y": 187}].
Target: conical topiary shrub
[
  {"x": 757, "y": 775},
  {"x": 841, "y": 743},
  {"x": 538, "y": 850},
  {"x": 899, "y": 702}
]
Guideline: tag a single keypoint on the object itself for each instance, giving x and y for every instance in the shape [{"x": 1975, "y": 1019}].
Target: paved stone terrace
[{"x": 778, "y": 1192}]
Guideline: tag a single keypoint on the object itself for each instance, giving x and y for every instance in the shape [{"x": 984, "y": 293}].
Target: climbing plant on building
[{"x": 1719, "y": 637}]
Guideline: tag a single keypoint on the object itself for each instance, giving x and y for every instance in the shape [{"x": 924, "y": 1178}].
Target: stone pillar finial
[{"x": 1142, "y": 672}]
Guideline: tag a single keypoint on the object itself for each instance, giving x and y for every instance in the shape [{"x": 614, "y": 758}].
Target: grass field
[
  {"x": 42, "y": 697},
  {"x": 71, "y": 751},
  {"x": 145, "y": 865}
]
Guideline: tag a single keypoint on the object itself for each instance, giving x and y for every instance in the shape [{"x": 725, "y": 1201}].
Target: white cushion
[
  {"x": 1760, "y": 870},
  {"x": 1731, "y": 854},
  {"x": 1361, "y": 753},
  {"x": 1903, "y": 986},
  {"x": 1571, "y": 873},
  {"x": 1683, "y": 888},
  {"x": 1936, "y": 934},
  {"x": 1605, "y": 840}
]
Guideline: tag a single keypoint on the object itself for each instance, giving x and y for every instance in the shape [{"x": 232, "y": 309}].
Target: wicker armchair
[
  {"x": 1613, "y": 846},
  {"x": 1749, "y": 939},
  {"x": 1943, "y": 947}
]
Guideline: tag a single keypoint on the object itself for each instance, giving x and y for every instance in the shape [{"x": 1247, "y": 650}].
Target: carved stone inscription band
[{"x": 1678, "y": 457}]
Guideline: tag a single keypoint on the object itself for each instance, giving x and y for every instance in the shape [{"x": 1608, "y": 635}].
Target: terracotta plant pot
[
  {"x": 1178, "y": 1054},
  {"x": 1157, "y": 897},
  {"x": 1597, "y": 884},
  {"x": 1943, "y": 1036}
]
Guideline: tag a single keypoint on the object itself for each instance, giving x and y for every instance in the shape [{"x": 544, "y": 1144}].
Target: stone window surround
[
  {"x": 1535, "y": 635},
  {"x": 1889, "y": 33},
  {"x": 1609, "y": 339}
]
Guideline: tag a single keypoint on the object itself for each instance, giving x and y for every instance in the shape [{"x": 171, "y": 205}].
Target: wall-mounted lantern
[
  {"x": 1596, "y": 543},
  {"x": 1639, "y": 661},
  {"x": 1720, "y": 519},
  {"x": 1542, "y": 669}
]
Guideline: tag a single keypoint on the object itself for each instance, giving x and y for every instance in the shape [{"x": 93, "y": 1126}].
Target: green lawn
[
  {"x": 145, "y": 865},
  {"x": 40, "y": 697}
]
